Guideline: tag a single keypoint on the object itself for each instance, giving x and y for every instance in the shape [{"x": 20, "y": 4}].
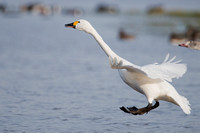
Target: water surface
[{"x": 54, "y": 79}]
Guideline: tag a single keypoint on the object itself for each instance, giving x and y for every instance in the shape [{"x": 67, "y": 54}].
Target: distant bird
[
  {"x": 191, "y": 44},
  {"x": 125, "y": 36},
  {"x": 191, "y": 33},
  {"x": 176, "y": 38},
  {"x": 37, "y": 8},
  {"x": 109, "y": 9},
  {"x": 3, "y": 8},
  {"x": 151, "y": 80}
]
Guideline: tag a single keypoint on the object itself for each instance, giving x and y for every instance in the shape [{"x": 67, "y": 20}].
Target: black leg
[{"x": 135, "y": 111}]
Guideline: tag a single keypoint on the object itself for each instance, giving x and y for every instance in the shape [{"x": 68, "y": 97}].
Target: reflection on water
[{"x": 54, "y": 79}]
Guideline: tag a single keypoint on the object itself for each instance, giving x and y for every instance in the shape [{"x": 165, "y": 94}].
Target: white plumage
[
  {"x": 151, "y": 80},
  {"x": 167, "y": 70}
]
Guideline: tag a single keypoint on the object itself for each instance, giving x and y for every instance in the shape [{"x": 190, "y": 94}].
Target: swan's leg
[{"x": 135, "y": 111}]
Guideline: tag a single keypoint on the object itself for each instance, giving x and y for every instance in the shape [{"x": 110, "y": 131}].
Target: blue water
[{"x": 54, "y": 79}]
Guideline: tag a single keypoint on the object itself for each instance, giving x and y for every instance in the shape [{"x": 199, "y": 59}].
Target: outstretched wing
[{"x": 167, "y": 70}]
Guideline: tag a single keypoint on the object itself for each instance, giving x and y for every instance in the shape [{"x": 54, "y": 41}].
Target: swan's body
[{"x": 151, "y": 80}]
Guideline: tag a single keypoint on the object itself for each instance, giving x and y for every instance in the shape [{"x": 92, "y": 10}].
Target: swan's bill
[{"x": 72, "y": 25}]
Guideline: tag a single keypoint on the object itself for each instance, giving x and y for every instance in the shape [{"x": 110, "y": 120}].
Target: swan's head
[
  {"x": 81, "y": 24},
  {"x": 187, "y": 44}
]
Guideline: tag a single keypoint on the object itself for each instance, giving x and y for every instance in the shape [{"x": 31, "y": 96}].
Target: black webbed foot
[
  {"x": 124, "y": 109},
  {"x": 135, "y": 111},
  {"x": 132, "y": 108}
]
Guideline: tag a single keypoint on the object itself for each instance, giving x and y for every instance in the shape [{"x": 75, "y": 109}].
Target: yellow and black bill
[{"x": 72, "y": 25}]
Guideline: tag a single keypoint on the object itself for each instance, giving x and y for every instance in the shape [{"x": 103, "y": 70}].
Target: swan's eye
[{"x": 75, "y": 23}]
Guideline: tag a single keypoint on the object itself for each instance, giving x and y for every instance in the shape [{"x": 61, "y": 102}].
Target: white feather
[{"x": 166, "y": 70}]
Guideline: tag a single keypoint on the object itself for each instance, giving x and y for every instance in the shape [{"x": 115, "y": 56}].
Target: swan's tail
[
  {"x": 185, "y": 105},
  {"x": 182, "y": 102}
]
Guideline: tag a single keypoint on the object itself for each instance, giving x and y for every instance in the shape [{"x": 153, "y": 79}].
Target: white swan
[{"x": 151, "y": 80}]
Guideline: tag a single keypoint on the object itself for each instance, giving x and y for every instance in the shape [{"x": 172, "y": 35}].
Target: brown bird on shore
[{"x": 125, "y": 36}]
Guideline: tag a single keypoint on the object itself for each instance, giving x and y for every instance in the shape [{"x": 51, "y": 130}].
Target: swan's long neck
[
  {"x": 102, "y": 44},
  {"x": 105, "y": 47}
]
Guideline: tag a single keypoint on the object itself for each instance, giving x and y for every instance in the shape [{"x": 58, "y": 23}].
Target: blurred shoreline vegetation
[
  {"x": 183, "y": 13},
  {"x": 159, "y": 10},
  {"x": 105, "y": 8},
  {"x": 188, "y": 17},
  {"x": 152, "y": 12}
]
